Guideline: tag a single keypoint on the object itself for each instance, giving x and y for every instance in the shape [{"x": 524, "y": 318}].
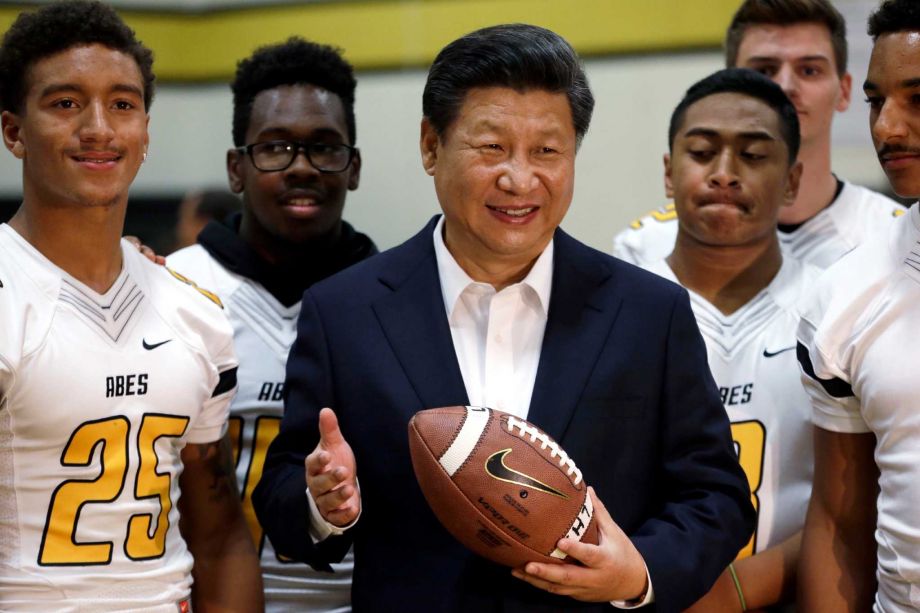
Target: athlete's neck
[
  {"x": 83, "y": 241},
  {"x": 727, "y": 277},
  {"x": 817, "y": 186}
]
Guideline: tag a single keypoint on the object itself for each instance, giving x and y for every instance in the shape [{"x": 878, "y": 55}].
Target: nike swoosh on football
[
  {"x": 150, "y": 347},
  {"x": 496, "y": 468},
  {"x": 769, "y": 354}
]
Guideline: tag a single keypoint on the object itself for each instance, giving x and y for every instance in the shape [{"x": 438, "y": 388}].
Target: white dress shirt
[{"x": 497, "y": 335}]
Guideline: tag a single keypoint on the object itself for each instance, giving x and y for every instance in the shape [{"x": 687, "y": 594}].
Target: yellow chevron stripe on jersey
[
  {"x": 665, "y": 213},
  {"x": 207, "y": 294}
]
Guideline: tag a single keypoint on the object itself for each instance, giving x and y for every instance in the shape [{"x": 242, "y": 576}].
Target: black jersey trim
[
  {"x": 226, "y": 383},
  {"x": 838, "y": 388}
]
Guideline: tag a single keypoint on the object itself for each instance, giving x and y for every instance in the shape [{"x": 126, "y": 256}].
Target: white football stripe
[
  {"x": 462, "y": 447},
  {"x": 579, "y": 526}
]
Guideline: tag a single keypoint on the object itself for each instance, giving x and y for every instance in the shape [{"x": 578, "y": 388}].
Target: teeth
[
  {"x": 300, "y": 202},
  {"x": 516, "y": 212}
]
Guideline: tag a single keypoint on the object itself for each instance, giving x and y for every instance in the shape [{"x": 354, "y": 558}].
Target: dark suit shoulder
[{"x": 378, "y": 275}]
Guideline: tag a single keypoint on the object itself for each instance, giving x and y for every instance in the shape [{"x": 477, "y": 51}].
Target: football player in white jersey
[
  {"x": 801, "y": 45},
  {"x": 115, "y": 375},
  {"x": 859, "y": 355},
  {"x": 294, "y": 164},
  {"x": 730, "y": 170}
]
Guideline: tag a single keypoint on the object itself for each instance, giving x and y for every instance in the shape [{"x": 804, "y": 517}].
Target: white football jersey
[
  {"x": 856, "y": 213},
  {"x": 859, "y": 357},
  {"x": 752, "y": 358},
  {"x": 99, "y": 394},
  {"x": 264, "y": 331}
]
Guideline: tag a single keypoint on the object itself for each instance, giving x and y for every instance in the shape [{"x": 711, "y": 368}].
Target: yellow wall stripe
[{"x": 388, "y": 34}]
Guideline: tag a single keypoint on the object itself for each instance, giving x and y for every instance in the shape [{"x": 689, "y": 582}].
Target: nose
[
  {"x": 96, "y": 126},
  {"x": 518, "y": 175},
  {"x": 301, "y": 165},
  {"x": 786, "y": 79},
  {"x": 724, "y": 173},
  {"x": 888, "y": 125}
]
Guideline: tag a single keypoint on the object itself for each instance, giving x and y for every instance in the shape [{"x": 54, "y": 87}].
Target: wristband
[{"x": 731, "y": 569}]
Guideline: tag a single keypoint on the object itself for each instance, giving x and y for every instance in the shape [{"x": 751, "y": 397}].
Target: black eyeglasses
[{"x": 276, "y": 155}]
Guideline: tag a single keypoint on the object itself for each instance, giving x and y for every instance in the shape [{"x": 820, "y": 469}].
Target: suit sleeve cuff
[
  {"x": 649, "y": 597},
  {"x": 320, "y": 529}
]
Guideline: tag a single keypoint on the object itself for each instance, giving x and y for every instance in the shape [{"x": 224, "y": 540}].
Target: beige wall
[{"x": 619, "y": 165}]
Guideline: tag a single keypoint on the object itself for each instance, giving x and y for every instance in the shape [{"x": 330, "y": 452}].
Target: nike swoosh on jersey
[
  {"x": 770, "y": 354},
  {"x": 150, "y": 347},
  {"x": 496, "y": 468}
]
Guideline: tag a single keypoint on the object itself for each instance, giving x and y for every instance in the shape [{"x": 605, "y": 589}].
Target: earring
[{"x": 144, "y": 157}]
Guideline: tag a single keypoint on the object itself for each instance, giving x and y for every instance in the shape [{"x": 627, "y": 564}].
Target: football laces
[{"x": 525, "y": 429}]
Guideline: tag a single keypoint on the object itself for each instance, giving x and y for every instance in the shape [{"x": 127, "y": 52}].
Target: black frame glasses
[{"x": 278, "y": 155}]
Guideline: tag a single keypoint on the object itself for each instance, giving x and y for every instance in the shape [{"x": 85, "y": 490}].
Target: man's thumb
[{"x": 329, "y": 433}]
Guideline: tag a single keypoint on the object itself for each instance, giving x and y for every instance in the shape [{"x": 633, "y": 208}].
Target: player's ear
[
  {"x": 354, "y": 175},
  {"x": 428, "y": 144},
  {"x": 668, "y": 186},
  {"x": 846, "y": 90},
  {"x": 793, "y": 179},
  {"x": 12, "y": 134},
  {"x": 234, "y": 172}
]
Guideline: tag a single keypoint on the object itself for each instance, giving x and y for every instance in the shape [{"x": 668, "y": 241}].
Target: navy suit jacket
[{"x": 622, "y": 384}]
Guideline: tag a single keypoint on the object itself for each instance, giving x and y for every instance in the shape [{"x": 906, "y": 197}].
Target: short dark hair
[
  {"x": 787, "y": 13},
  {"x": 894, "y": 16},
  {"x": 56, "y": 28},
  {"x": 520, "y": 56},
  {"x": 293, "y": 62},
  {"x": 749, "y": 83}
]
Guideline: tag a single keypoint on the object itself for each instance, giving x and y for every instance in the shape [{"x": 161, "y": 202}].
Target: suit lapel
[
  {"x": 580, "y": 318},
  {"x": 414, "y": 322}
]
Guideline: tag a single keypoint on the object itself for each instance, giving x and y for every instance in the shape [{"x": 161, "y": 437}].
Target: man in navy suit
[{"x": 491, "y": 304}]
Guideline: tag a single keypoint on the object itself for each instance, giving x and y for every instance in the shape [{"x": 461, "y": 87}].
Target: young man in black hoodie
[{"x": 294, "y": 163}]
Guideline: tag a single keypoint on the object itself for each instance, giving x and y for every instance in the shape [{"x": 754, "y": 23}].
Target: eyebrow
[
  {"x": 286, "y": 133},
  {"x": 73, "y": 87},
  {"x": 806, "y": 58},
  {"x": 905, "y": 84},
  {"x": 749, "y": 135}
]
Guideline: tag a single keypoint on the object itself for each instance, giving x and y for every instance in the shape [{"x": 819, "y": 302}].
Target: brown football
[{"x": 499, "y": 484}]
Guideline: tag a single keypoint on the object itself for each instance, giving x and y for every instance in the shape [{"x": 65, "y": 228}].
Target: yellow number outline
[
  {"x": 59, "y": 546},
  {"x": 265, "y": 430},
  {"x": 751, "y": 437},
  {"x": 151, "y": 483}
]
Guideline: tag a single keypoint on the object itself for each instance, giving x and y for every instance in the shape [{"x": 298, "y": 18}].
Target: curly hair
[
  {"x": 894, "y": 16},
  {"x": 56, "y": 28},
  {"x": 293, "y": 62}
]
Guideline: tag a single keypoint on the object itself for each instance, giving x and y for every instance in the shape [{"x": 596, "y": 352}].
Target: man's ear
[
  {"x": 234, "y": 172},
  {"x": 793, "y": 180},
  {"x": 354, "y": 176},
  {"x": 668, "y": 186},
  {"x": 846, "y": 90},
  {"x": 12, "y": 134},
  {"x": 428, "y": 144}
]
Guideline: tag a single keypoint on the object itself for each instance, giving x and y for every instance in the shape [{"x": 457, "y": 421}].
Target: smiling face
[
  {"x": 893, "y": 90},
  {"x": 299, "y": 204},
  {"x": 504, "y": 173},
  {"x": 82, "y": 132},
  {"x": 729, "y": 171},
  {"x": 800, "y": 59}
]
